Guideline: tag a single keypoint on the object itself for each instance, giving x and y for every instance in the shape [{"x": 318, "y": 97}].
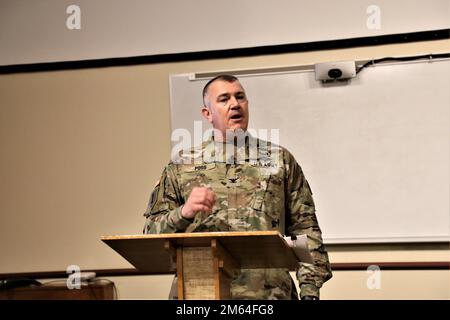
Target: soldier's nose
[
  {"x": 235, "y": 106},
  {"x": 234, "y": 103}
]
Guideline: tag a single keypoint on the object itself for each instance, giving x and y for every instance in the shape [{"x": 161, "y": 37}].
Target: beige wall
[{"x": 82, "y": 149}]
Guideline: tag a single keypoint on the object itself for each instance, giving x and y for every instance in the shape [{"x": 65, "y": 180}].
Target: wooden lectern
[{"x": 204, "y": 261}]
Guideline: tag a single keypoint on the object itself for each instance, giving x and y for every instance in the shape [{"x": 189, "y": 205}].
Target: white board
[{"x": 375, "y": 150}]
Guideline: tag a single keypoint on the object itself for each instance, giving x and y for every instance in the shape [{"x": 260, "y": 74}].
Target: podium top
[{"x": 252, "y": 249}]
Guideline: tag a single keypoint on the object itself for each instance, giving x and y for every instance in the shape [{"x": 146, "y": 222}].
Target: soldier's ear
[{"x": 207, "y": 114}]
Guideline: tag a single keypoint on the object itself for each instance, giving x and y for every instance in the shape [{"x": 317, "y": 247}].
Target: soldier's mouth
[{"x": 236, "y": 117}]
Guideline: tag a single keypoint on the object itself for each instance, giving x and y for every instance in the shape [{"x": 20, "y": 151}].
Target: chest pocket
[
  {"x": 211, "y": 175},
  {"x": 202, "y": 175}
]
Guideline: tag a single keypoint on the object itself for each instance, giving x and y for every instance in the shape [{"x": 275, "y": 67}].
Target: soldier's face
[{"x": 226, "y": 106}]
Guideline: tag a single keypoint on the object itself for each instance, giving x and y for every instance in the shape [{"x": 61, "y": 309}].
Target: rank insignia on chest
[{"x": 233, "y": 182}]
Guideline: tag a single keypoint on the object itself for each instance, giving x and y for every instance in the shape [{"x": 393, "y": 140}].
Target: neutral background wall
[
  {"x": 35, "y": 31},
  {"x": 81, "y": 151}
]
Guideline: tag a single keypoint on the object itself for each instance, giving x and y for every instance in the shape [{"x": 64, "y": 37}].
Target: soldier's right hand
[{"x": 200, "y": 199}]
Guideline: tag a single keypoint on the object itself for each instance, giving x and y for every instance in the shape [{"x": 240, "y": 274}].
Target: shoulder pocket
[{"x": 269, "y": 197}]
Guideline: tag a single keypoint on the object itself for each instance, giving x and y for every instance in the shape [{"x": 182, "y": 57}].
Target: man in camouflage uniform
[{"x": 235, "y": 182}]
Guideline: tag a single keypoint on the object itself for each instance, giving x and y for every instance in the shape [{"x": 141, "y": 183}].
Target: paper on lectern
[{"x": 299, "y": 245}]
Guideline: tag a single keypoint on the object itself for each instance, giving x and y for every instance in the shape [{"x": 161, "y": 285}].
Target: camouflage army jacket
[{"x": 259, "y": 186}]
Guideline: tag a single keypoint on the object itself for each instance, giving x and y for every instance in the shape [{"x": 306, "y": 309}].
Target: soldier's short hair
[{"x": 221, "y": 77}]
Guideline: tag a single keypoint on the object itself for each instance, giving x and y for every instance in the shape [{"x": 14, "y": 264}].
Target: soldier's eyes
[{"x": 240, "y": 97}]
